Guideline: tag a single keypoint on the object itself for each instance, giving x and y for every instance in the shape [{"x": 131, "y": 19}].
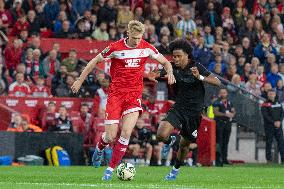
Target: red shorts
[{"x": 120, "y": 104}]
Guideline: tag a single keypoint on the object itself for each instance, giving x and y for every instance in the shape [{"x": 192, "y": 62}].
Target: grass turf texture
[{"x": 232, "y": 177}]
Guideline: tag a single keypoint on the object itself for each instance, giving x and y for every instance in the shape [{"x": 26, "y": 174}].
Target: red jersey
[
  {"x": 19, "y": 90},
  {"x": 40, "y": 91},
  {"x": 127, "y": 64}
]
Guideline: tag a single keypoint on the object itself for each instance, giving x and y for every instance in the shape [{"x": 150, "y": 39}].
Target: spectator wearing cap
[
  {"x": 81, "y": 31},
  {"x": 186, "y": 27},
  {"x": 50, "y": 65},
  {"x": 264, "y": 48},
  {"x": 273, "y": 76},
  {"x": 107, "y": 13},
  {"x": 13, "y": 55},
  {"x": 51, "y": 11},
  {"x": 19, "y": 88},
  {"x": 101, "y": 33},
  {"x": 79, "y": 6},
  {"x": 21, "y": 24},
  {"x": 40, "y": 90},
  {"x": 228, "y": 22},
  {"x": 201, "y": 53}
]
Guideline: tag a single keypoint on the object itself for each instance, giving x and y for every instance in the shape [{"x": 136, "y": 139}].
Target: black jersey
[{"x": 189, "y": 91}]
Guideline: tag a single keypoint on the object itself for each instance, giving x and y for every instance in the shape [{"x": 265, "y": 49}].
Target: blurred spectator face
[
  {"x": 36, "y": 54},
  {"x": 267, "y": 86},
  {"x": 236, "y": 79},
  {"x": 233, "y": 69},
  {"x": 165, "y": 31},
  {"x": 165, "y": 40},
  {"x": 255, "y": 62},
  {"x": 265, "y": 39},
  {"x": 25, "y": 124},
  {"x": 21, "y": 68},
  {"x": 36, "y": 42},
  {"x": 73, "y": 55},
  {"x": 104, "y": 83},
  {"x": 260, "y": 70},
  {"x": 210, "y": 6},
  {"x": 62, "y": 112},
  {"x": 63, "y": 69},
  {"x": 31, "y": 15},
  {"x": 223, "y": 93},
  {"x": 112, "y": 31},
  {"x": 218, "y": 59},
  {"x": 110, "y": 3},
  {"x": 24, "y": 34},
  {"x": 62, "y": 6},
  {"x": 216, "y": 49},
  {"x": 242, "y": 61},
  {"x": 40, "y": 81},
  {"x": 227, "y": 12},
  {"x": 258, "y": 25},
  {"x": 249, "y": 24},
  {"x": 262, "y": 2},
  {"x": 232, "y": 60},
  {"x": 152, "y": 99},
  {"x": 239, "y": 50},
  {"x": 252, "y": 78},
  {"x": 30, "y": 54},
  {"x": 52, "y": 54},
  {"x": 70, "y": 80},
  {"x": 279, "y": 84},
  {"x": 87, "y": 14},
  {"x": 201, "y": 41},
  {"x": 103, "y": 26},
  {"x": 271, "y": 59},
  {"x": 240, "y": 4},
  {"x": 51, "y": 108},
  {"x": 187, "y": 15},
  {"x": 219, "y": 31},
  {"x": 56, "y": 46},
  {"x": 20, "y": 78},
  {"x": 22, "y": 19},
  {"x": 138, "y": 11},
  {"x": 140, "y": 123},
  {"x": 267, "y": 17},
  {"x": 246, "y": 42},
  {"x": 154, "y": 9},
  {"x": 84, "y": 109},
  {"x": 226, "y": 47},
  {"x": 281, "y": 68},
  {"x": 207, "y": 29},
  {"x": 66, "y": 26},
  {"x": 218, "y": 68},
  {"x": 274, "y": 69},
  {"x": 247, "y": 67},
  {"x": 16, "y": 43},
  {"x": 281, "y": 51},
  {"x": 17, "y": 119},
  {"x": 62, "y": 16},
  {"x": 174, "y": 20},
  {"x": 151, "y": 29},
  {"x": 271, "y": 95}
]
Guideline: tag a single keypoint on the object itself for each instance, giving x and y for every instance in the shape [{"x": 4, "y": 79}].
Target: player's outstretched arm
[
  {"x": 90, "y": 66},
  {"x": 211, "y": 79},
  {"x": 168, "y": 67}
]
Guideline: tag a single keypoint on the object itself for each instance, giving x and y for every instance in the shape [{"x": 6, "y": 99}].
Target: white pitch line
[
  {"x": 150, "y": 186},
  {"x": 254, "y": 187}
]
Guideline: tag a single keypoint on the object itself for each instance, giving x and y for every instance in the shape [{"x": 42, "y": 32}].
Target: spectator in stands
[
  {"x": 64, "y": 89},
  {"x": 59, "y": 79},
  {"x": 50, "y": 65},
  {"x": 252, "y": 85},
  {"x": 66, "y": 31},
  {"x": 266, "y": 87},
  {"x": 273, "y": 76},
  {"x": 165, "y": 23},
  {"x": 40, "y": 90},
  {"x": 34, "y": 69},
  {"x": 101, "y": 94},
  {"x": 163, "y": 48},
  {"x": 210, "y": 17},
  {"x": 261, "y": 77},
  {"x": 34, "y": 22},
  {"x": 272, "y": 113},
  {"x": 28, "y": 127},
  {"x": 236, "y": 80},
  {"x": 254, "y": 64},
  {"x": 51, "y": 11},
  {"x": 280, "y": 91},
  {"x": 281, "y": 55},
  {"x": 17, "y": 10},
  {"x": 218, "y": 60},
  {"x": 5, "y": 17},
  {"x": 107, "y": 13},
  {"x": 264, "y": 48},
  {"x": 13, "y": 55},
  {"x": 138, "y": 14},
  {"x": 208, "y": 37},
  {"x": 19, "y": 88},
  {"x": 28, "y": 5},
  {"x": 58, "y": 23},
  {"x": 3, "y": 81},
  {"x": 201, "y": 53},
  {"x": 124, "y": 15},
  {"x": 246, "y": 72},
  {"x": 71, "y": 63},
  {"x": 48, "y": 119},
  {"x": 101, "y": 32},
  {"x": 21, "y": 24},
  {"x": 224, "y": 112},
  {"x": 113, "y": 34},
  {"x": 150, "y": 35},
  {"x": 247, "y": 49},
  {"x": 281, "y": 71},
  {"x": 29, "y": 61},
  {"x": 88, "y": 120},
  {"x": 63, "y": 123},
  {"x": 15, "y": 125},
  {"x": 226, "y": 55},
  {"x": 79, "y": 6},
  {"x": 186, "y": 28},
  {"x": 81, "y": 31}
]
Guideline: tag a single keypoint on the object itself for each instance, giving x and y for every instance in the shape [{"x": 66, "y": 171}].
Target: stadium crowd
[{"x": 239, "y": 40}]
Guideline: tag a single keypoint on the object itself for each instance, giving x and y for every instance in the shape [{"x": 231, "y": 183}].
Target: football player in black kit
[{"x": 185, "y": 114}]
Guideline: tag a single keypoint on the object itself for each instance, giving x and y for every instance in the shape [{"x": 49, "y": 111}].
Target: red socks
[
  {"x": 102, "y": 144},
  {"x": 118, "y": 151}
]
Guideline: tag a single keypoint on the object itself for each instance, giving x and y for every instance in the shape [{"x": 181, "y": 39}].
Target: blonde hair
[{"x": 134, "y": 26}]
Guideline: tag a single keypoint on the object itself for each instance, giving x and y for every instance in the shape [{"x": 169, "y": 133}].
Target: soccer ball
[{"x": 125, "y": 171}]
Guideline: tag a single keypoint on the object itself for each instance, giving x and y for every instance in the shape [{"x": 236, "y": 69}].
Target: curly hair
[{"x": 181, "y": 44}]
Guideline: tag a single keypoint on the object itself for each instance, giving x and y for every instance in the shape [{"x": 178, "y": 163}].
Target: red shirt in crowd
[
  {"x": 18, "y": 27},
  {"x": 19, "y": 90},
  {"x": 40, "y": 91},
  {"x": 12, "y": 57},
  {"x": 5, "y": 17}
]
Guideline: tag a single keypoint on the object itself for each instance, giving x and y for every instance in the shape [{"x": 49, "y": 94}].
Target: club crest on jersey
[
  {"x": 132, "y": 63},
  {"x": 141, "y": 53}
]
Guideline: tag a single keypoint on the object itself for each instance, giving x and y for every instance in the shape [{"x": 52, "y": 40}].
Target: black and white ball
[{"x": 125, "y": 171}]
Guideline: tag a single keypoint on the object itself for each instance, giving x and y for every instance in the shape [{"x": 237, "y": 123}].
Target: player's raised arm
[
  {"x": 203, "y": 74},
  {"x": 90, "y": 66}
]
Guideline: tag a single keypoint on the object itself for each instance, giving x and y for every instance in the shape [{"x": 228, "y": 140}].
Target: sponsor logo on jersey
[{"x": 132, "y": 63}]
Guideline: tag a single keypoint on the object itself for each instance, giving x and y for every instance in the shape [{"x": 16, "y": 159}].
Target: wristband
[{"x": 201, "y": 77}]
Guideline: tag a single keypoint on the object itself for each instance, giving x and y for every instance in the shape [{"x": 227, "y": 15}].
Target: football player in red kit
[{"x": 128, "y": 57}]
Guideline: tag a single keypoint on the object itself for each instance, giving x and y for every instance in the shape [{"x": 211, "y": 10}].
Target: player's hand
[
  {"x": 195, "y": 72},
  {"x": 153, "y": 75},
  {"x": 171, "y": 78},
  {"x": 76, "y": 86}
]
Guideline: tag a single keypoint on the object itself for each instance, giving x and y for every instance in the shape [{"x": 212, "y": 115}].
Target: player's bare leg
[
  {"x": 120, "y": 147},
  {"x": 184, "y": 147}
]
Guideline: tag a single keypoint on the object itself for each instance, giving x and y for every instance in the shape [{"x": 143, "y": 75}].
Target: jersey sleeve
[
  {"x": 216, "y": 104},
  {"x": 108, "y": 51},
  {"x": 153, "y": 52},
  {"x": 202, "y": 70}
]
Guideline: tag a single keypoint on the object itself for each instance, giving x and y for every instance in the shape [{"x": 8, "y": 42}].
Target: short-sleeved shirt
[
  {"x": 127, "y": 64},
  {"x": 189, "y": 90}
]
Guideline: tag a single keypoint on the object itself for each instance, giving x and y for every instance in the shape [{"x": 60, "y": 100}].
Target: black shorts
[{"x": 187, "y": 122}]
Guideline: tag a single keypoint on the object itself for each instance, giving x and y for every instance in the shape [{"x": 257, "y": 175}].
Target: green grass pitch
[{"x": 231, "y": 177}]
